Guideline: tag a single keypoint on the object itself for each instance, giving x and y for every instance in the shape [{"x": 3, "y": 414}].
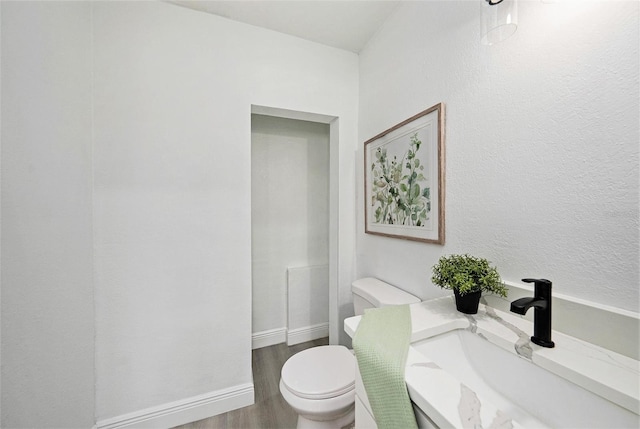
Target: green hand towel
[{"x": 381, "y": 344}]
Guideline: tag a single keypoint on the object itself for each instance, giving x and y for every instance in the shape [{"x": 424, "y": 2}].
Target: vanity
[{"x": 482, "y": 370}]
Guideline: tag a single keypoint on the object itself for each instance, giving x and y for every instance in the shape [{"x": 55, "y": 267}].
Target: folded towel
[{"x": 381, "y": 344}]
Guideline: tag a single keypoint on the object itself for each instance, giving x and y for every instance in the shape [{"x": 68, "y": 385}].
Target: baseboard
[
  {"x": 268, "y": 338},
  {"x": 308, "y": 333},
  {"x": 184, "y": 411}
]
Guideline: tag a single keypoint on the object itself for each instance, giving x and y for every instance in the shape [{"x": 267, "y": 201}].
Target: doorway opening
[{"x": 294, "y": 224}]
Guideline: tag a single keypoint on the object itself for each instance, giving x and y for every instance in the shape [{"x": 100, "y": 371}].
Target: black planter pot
[{"x": 468, "y": 303}]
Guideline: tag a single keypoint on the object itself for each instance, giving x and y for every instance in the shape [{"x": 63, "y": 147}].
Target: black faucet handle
[
  {"x": 542, "y": 287},
  {"x": 538, "y": 281}
]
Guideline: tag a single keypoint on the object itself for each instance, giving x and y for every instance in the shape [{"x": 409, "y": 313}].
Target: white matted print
[{"x": 404, "y": 179}]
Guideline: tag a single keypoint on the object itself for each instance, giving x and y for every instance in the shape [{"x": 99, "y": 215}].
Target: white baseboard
[
  {"x": 308, "y": 333},
  {"x": 184, "y": 411},
  {"x": 268, "y": 338}
]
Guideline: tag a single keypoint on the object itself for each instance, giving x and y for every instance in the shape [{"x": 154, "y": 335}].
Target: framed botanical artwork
[{"x": 404, "y": 179}]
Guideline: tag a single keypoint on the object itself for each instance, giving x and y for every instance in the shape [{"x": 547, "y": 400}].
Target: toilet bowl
[{"x": 319, "y": 383}]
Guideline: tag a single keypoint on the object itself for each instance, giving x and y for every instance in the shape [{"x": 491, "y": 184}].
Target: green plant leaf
[
  {"x": 467, "y": 274},
  {"x": 415, "y": 191}
]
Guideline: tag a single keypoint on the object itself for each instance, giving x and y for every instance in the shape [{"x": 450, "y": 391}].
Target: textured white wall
[
  {"x": 289, "y": 209},
  {"x": 542, "y": 139},
  {"x": 47, "y": 286},
  {"x": 173, "y": 95}
]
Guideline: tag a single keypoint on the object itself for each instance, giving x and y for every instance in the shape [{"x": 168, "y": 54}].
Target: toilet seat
[
  {"x": 320, "y": 372},
  {"x": 321, "y": 409}
]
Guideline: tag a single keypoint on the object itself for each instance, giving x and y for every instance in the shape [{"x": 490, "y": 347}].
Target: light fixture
[{"x": 499, "y": 20}]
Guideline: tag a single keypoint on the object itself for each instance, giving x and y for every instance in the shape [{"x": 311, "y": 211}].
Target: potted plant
[{"x": 468, "y": 276}]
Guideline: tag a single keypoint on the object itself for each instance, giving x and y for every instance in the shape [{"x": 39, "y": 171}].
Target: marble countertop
[{"x": 598, "y": 370}]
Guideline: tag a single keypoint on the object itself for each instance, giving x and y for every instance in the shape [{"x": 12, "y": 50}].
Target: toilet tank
[{"x": 370, "y": 292}]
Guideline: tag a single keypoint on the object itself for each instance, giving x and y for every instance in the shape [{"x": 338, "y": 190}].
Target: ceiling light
[{"x": 499, "y": 20}]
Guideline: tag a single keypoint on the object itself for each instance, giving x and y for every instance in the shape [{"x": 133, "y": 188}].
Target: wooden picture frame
[{"x": 404, "y": 179}]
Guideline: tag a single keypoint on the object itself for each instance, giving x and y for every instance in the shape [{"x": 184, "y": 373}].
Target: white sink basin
[{"x": 493, "y": 387}]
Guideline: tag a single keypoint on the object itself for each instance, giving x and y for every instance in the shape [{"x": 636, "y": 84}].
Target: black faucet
[{"x": 541, "y": 303}]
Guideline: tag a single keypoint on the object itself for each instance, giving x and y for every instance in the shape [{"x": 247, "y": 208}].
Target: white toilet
[{"x": 319, "y": 383}]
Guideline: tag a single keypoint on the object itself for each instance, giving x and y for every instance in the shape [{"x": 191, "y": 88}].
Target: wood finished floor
[{"x": 270, "y": 410}]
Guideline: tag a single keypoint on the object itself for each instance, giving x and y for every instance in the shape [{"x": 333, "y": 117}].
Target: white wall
[
  {"x": 47, "y": 286},
  {"x": 542, "y": 178},
  {"x": 173, "y": 95},
  {"x": 542, "y": 140},
  {"x": 289, "y": 210}
]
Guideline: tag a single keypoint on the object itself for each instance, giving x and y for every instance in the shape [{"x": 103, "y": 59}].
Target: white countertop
[{"x": 603, "y": 372}]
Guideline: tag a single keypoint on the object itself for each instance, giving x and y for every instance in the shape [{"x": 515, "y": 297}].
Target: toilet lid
[{"x": 320, "y": 372}]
